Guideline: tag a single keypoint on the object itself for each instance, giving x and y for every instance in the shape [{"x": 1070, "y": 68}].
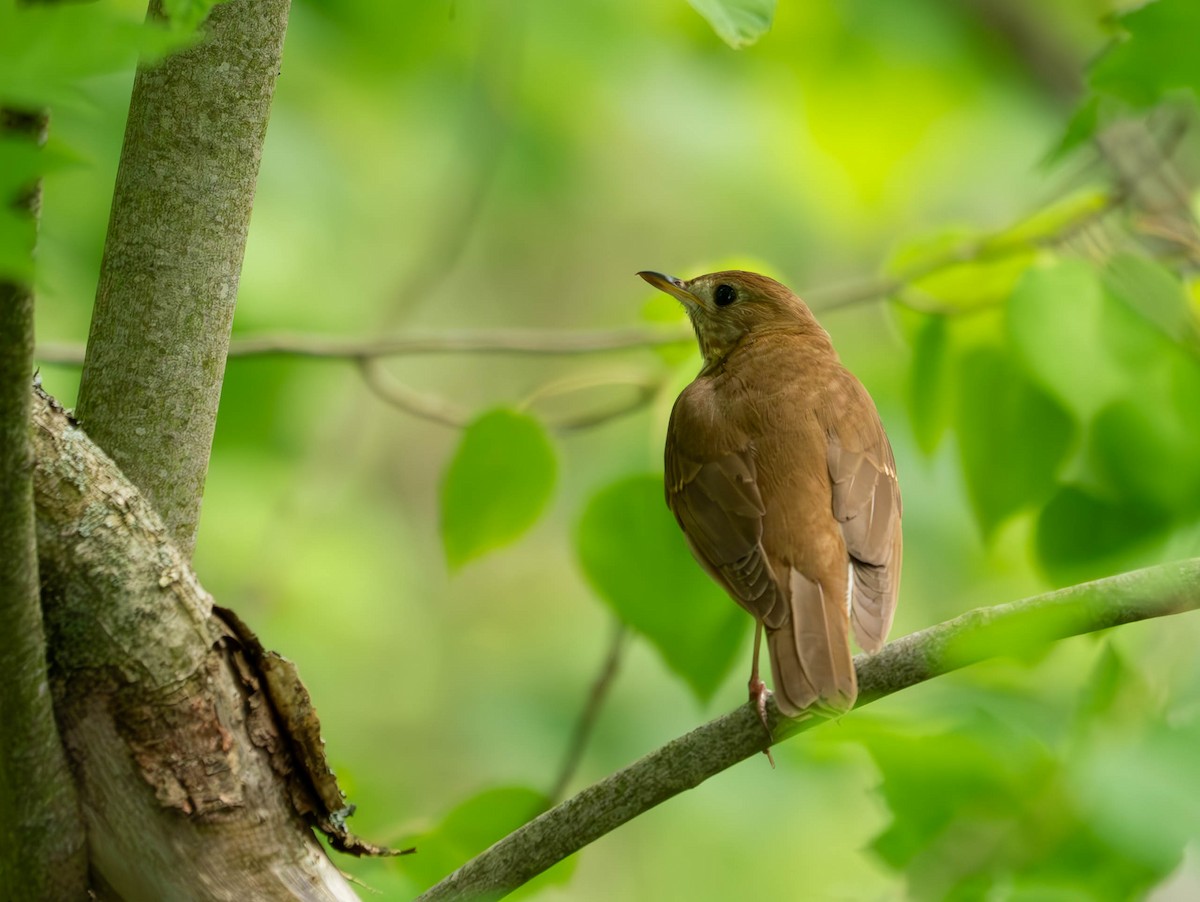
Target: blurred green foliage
[
  {"x": 1030, "y": 339},
  {"x": 738, "y": 22},
  {"x": 633, "y": 553},
  {"x": 497, "y": 483}
]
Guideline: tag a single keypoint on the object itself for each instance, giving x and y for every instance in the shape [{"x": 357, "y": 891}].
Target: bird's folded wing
[
  {"x": 720, "y": 510},
  {"x": 866, "y": 502}
]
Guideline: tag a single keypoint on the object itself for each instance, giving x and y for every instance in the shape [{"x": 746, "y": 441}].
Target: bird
[{"x": 780, "y": 474}]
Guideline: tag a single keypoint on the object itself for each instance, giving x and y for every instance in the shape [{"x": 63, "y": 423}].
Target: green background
[{"x": 457, "y": 165}]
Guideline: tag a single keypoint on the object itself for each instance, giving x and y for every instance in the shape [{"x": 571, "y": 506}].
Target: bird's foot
[{"x": 758, "y": 698}]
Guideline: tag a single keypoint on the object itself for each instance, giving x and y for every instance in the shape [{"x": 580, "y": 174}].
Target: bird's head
[{"x": 725, "y": 307}]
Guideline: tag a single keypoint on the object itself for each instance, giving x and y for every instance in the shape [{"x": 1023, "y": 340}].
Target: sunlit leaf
[
  {"x": 635, "y": 557},
  {"x": 1013, "y": 437},
  {"x": 1155, "y": 57},
  {"x": 929, "y": 383},
  {"x": 497, "y": 484},
  {"x": 739, "y": 23},
  {"x": 1082, "y": 535},
  {"x": 1055, "y": 322}
]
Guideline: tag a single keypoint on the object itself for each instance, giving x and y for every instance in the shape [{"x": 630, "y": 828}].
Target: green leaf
[
  {"x": 739, "y": 23},
  {"x": 1083, "y": 124},
  {"x": 971, "y": 787},
  {"x": 186, "y": 15},
  {"x": 636, "y": 558},
  {"x": 47, "y": 49},
  {"x": 471, "y": 827},
  {"x": 1148, "y": 450},
  {"x": 1154, "y": 293},
  {"x": 1012, "y": 437},
  {"x": 929, "y": 383},
  {"x": 497, "y": 484},
  {"x": 1055, "y": 321},
  {"x": 1156, "y": 57},
  {"x": 18, "y": 232},
  {"x": 1115, "y": 694},
  {"x": 1082, "y": 535},
  {"x": 1051, "y": 221},
  {"x": 985, "y": 810},
  {"x": 1140, "y": 791}
]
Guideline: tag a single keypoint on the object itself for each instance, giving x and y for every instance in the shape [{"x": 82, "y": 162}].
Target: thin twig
[
  {"x": 520, "y": 342},
  {"x": 645, "y": 390},
  {"x": 688, "y": 761},
  {"x": 427, "y": 407},
  {"x": 439, "y": 410},
  {"x": 591, "y": 710}
]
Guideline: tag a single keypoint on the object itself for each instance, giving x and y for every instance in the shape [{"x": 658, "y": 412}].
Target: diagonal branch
[{"x": 688, "y": 761}]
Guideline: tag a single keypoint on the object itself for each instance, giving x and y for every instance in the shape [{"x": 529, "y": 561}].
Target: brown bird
[{"x": 782, "y": 479}]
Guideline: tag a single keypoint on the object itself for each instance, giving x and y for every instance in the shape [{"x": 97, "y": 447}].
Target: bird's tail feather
[{"x": 811, "y": 662}]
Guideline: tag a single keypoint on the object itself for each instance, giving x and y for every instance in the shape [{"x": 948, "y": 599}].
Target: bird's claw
[{"x": 759, "y": 693}]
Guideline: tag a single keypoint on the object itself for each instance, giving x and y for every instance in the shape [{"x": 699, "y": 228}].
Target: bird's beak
[{"x": 672, "y": 286}]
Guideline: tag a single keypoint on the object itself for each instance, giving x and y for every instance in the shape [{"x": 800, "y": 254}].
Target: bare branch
[
  {"x": 688, "y": 761},
  {"x": 400, "y": 396},
  {"x": 521, "y": 342},
  {"x": 439, "y": 410}
]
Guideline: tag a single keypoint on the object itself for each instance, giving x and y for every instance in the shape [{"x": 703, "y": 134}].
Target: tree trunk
[
  {"x": 176, "y": 236},
  {"x": 187, "y": 777},
  {"x": 42, "y": 853}
]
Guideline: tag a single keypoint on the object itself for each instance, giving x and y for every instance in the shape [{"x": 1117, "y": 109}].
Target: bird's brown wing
[
  {"x": 866, "y": 502},
  {"x": 720, "y": 510}
]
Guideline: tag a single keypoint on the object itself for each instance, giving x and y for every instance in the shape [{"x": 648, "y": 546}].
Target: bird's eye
[{"x": 725, "y": 295}]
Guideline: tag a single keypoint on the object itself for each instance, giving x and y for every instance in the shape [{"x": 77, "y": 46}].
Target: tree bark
[
  {"x": 186, "y": 777},
  {"x": 42, "y": 853},
  {"x": 173, "y": 255}
]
